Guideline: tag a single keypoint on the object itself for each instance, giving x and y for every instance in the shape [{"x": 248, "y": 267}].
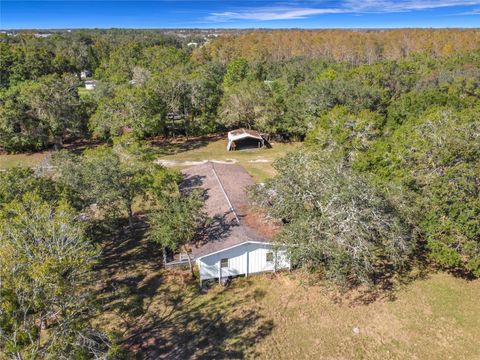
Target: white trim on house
[
  {"x": 233, "y": 246},
  {"x": 246, "y": 258}
]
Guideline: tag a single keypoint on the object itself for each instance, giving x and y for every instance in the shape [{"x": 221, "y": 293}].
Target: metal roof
[{"x": 243, "y": 133}]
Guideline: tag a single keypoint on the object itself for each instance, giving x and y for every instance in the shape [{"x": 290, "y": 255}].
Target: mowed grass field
[
  {"x": 258, "y": 162},
  {"x": 181, "y": 153},
  {"x": 28, "y": 159},
  {"x": 163, "y": 314},
  {"x": 434, "y": 318}
]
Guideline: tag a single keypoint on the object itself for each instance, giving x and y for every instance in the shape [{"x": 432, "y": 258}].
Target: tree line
[
  {"x": 352, "y": 46},
  {"x": 152, "y": 84}
]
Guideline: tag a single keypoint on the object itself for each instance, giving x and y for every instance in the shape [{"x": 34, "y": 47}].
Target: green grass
[
  {"x": 215, "y": 149},
  {"x": 23, "y": 160},
  {"x": 209, "y": 148},
  {"x": 82, "y": 92},
  {"x": 436, "y": 318}
]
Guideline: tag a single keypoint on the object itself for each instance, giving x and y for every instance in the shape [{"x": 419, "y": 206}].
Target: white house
[
  {"x": 243, "y": 137},
  {"x": 90, "y": 84},
  {"x": 246, "y": 258},
  {"x": 237, "y": 243}
]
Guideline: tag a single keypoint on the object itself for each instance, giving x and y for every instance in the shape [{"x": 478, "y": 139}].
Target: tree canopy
[
  {"x": 45, "y": 270},
  {"x": 334, "y": 219}
]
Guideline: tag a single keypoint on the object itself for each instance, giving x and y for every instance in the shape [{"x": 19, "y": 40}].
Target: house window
[
  {"x": 224, "y": 263},
  {"x": 270, "y": 257}
]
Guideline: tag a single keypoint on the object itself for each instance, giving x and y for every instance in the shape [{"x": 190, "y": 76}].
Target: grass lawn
[
  {"x": 435, "y": 318},
  {"x": 27, "y": 159},
  {"x": 82, "y": 92},
  {"x": 258, "y": 162},
  {"x": 162, "y": 314}
]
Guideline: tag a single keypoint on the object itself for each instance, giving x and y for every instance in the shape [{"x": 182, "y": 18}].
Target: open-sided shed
[{"x": 244, "y": 138}]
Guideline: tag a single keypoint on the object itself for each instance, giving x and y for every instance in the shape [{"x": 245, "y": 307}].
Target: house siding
[{"x": 251, "y": 256}]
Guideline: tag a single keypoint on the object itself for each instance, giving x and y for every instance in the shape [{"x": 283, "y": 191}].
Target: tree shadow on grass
[
  {"x": 386, "y": 282},
  {"x": 129, "y": 272},
  {"x": 202, "y": 327},
  {"x": 163, "y": 314},
  {"x": 172, "y": 146}
]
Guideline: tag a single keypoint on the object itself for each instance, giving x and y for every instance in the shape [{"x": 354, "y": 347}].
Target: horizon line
[{"x": 249, "y": 28}]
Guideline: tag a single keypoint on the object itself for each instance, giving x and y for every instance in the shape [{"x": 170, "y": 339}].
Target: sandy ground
[{"x": 172, "y": 163}]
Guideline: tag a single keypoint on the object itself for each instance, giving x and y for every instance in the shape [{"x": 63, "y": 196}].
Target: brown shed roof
[{"x": 224, "y": 187}]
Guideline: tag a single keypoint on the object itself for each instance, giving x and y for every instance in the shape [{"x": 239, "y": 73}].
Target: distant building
[
  {"x": 174, "y": 116},
  {"x": 40, "y": 35},
  {"x": 192, "y": 44},
  {"x": 85, "y": 74},
  {"x": 90, "y": 84}
]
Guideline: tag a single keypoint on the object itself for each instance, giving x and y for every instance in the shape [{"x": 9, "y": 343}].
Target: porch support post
[
  {"x": 219, "y": 271},
  {"x": 275, "y": 262},
  {"x": 247, "y": 253}
]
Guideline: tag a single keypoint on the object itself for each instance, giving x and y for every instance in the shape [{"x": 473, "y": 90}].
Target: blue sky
[{"x": 239, "y": 14}]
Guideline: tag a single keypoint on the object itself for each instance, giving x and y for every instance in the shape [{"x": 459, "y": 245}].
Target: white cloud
[
  {"x": 388, "y": 6},
  {"x": 472, "y": 12},
  {"x": 271, "y": 13},
  {"x": 314, "y": 7}
]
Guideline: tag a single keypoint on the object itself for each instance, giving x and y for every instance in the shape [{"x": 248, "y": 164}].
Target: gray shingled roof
[{"x": 224, "y": 231}]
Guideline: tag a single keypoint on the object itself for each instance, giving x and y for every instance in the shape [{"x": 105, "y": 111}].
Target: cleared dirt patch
[{"x": 173, "y": 163}]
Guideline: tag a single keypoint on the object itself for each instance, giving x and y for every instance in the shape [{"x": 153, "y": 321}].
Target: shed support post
[{"x": 247, "y": 259}]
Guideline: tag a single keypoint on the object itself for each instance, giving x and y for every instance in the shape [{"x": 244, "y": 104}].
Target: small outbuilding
[
  {"x": 90, "y": 84},
  {"x": 243, "y": 138}
]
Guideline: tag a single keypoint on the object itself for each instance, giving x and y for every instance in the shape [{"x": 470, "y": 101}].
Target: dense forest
[
  {"x": 277, "y": 82},
  {"x": 388, "y": 174}
]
